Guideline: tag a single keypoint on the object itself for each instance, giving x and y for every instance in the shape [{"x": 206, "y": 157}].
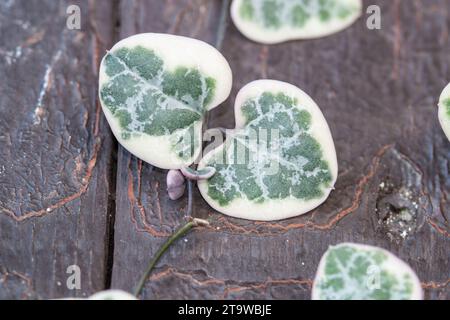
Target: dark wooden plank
[
  {"x": 378, "y": 91},
  {"x": 55, "y": 159}
]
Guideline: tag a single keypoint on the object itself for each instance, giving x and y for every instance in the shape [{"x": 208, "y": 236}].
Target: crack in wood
[
  {"x": 435, "y": 285},
  {"x": 84, "y": 187},
  {"x": 136, "y": 202},
  {"x": 263, "y": 56},
  {"x": 34, "y": 38},
  {"x": 115, "y": 20},
  {"x": 200, "y": 20},
  {"x": 229, "y": 286},
  {"x": 7, "y": 275},
  {"x": 397, "y": 40},
  {"x": 269, "y": 282},
  {"x": 179, "y": 19},
  {"x": 439, "y": 229}
]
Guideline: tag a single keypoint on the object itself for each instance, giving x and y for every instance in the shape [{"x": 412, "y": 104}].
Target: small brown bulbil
[{"x": 175, "y": 184}]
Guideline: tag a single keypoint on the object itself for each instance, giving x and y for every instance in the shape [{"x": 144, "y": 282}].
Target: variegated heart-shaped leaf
[
  {"x": 274, "y": 21},
  {"x": 155, "y": 90},
  {"x": 444, "y": 110},
  {"x": 279, "y": 162},
  {"x": 359, "y": 272}
]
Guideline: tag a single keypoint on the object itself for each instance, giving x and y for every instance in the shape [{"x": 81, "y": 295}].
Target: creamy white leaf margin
[
  {"x": 175, "y": 51},
  {"x": 313, "y": 29},
  {"x": 112, "y": 295},
  {"x": 276, "y": 209},
  {"x": 393, "y": 264},
  {"x": 444, "y": 117}
]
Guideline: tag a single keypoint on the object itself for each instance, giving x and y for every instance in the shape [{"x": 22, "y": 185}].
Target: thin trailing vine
[
  {"x": 190, "y": 199},
  {"x": 222, "y": 26},
  {"x": 178, "y": 234}
]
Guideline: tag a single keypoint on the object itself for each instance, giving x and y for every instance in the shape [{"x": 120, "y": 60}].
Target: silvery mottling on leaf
[
  {"x": 352, "y": 271},
  {"x": 275, "y": 21},
  {"x": 155, "y": 90},
  {"x": 292, "y": 164}
]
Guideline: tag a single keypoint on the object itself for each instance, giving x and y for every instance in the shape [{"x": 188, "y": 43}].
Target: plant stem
[
  {"x": 220, "y": 36},
  {"x": 223, "y": 23},
  {"x": 190, "y": 198},
  {"x": 178, "y": 234}
]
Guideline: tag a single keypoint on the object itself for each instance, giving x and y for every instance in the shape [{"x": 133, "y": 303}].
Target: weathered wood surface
[
  {"x": 56, "y": 149},
  {"x": 378, "y": 90}
]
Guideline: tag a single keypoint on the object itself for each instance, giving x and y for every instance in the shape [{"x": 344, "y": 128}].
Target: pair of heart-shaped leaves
[
  {"x": 351, "y": 271},
  {"x": 274, "y": 21},
  {"x": 280, "y": 160}
]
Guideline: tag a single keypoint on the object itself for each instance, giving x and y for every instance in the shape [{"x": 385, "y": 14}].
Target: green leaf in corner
[
  {"x": 273, "y": 21},
  {"x": 359, "y": 272},
  {"x": 444, "y": 111}
]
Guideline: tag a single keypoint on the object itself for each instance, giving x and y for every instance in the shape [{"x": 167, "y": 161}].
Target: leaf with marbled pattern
[
  {"x": 279, "y": 162},
  {"x": 359, "y": 272},
  {"x": 274, "y": 21},
  {"x": 155, "y": 90}
]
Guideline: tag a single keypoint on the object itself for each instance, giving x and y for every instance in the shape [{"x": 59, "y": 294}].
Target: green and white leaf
[
  {"x": 359, "y": 272},
  {"x": 274, "y": 21},
  {"x": 155, "y": 90},
  {"x": 282, "y": 174},
  {"x": 444, "y": 110}
]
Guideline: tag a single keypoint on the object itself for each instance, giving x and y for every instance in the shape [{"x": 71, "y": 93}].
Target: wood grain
[
  {"x": 378, "y": 90},
  {"x": 62, "y": 186},
  {"x": 56, "y": 149}
]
